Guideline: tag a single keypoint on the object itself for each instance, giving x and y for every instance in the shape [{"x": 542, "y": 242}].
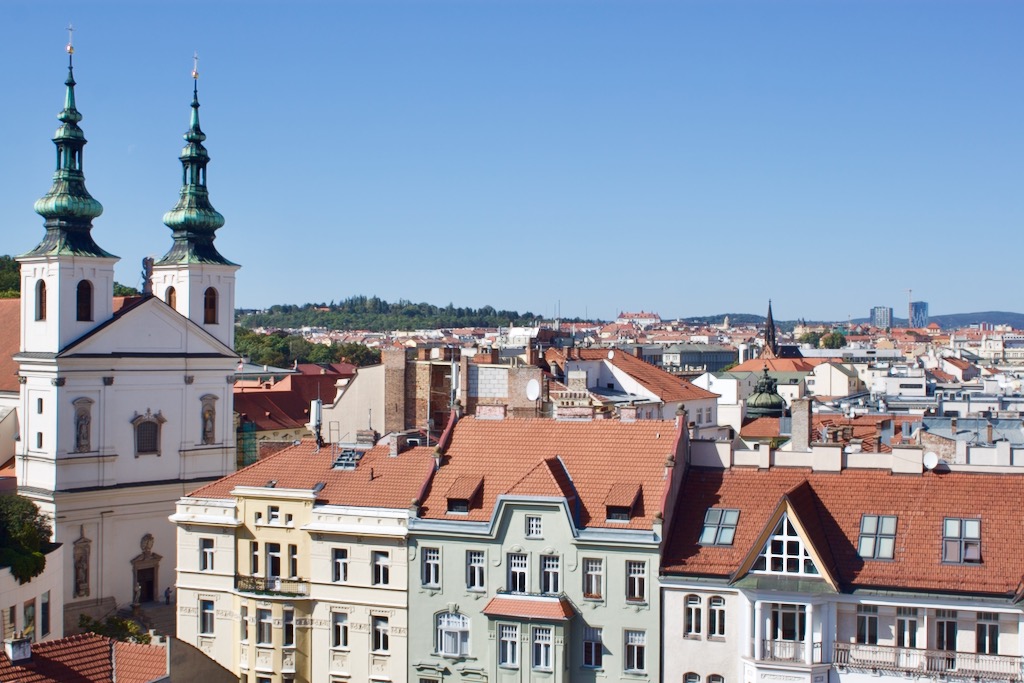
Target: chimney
[
  {"x": 423, "y": 353},
  {"x": 531, "y": 353},
  {"x": 399, "y": 442},
  {"x": 628, "y": 413},
  {"x": 18, "y": 649},
  {"x": 801, "y": 424},
  {"x": 952, "y": 425},
  {"x": 680, "y": 416},
  {"x": 576, "y": 380},
  {"x": 988, "y": 430}
]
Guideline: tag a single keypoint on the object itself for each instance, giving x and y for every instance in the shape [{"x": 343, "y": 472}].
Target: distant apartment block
[
  {"x": 917, "y": 314},
  {"x": 881, "y": 317}
]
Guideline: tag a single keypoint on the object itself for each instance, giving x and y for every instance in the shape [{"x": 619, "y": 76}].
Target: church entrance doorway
[{"x": 147, "y": 584}]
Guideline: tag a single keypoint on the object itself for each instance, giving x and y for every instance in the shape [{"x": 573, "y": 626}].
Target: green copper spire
[
  {"x": 68, "y": 207},
  {"x": 193, "y": 219}
]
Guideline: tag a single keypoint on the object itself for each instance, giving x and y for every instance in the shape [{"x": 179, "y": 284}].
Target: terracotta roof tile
[
  {"x": 10, "y": 341},
  {"x": 919, "y": 502},
  {"x": 538, "y": 456},
  {"x": 530, "y": 607},
  {"x": 622, "y": 494},
  {"x": 377, "y": 481},
  {"x": 665, "y": 385},
  {"x": 135, "y": 663},
  {"x": 760, "y": 428},
  {"x": 87, "y": 658}
]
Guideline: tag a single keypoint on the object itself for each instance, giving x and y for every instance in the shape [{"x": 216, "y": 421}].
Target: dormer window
[
  {"x": 618, "y": 513},
  {"x": 784, "y": 553},
  {"x": 621, "y": 501},
  {"x": 961, "y": 540},
  {"x": 464, "y": 494},
  {"x": 458, "y": 506},
  {"x": 877, "y": 537}
]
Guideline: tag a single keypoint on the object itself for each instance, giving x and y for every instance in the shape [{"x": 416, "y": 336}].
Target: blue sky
[{"x": 687, "y": 157}]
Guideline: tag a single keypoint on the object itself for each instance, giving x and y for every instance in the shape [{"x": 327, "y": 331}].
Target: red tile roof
[
  {"x": 760, "y": 428},
  {"x": 377, "y": 481},
  {"x": 779, "y": 364},
  {"x": 538, "y": 457},
  {"x": 87, "y": 658},
  {"x": 665, "y": 385},
  {"x": 10, "y": 342},
  {"x": 838, "y": 500},
  {"x": 530, "y": 607}
]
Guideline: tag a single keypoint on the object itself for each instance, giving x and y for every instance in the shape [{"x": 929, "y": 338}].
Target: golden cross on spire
[
  {"x": 70, "y": 47},
  {"x": 195, "y": 65}
]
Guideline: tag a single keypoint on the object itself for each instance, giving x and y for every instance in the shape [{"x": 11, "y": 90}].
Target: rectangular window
[
  {"x": 288, "y": 626},
  {"x": 636, "y": 650},
  {"x": 44, "y": 614},
  {"x": 273, "y": 515},
  {"x": 517, "y": 573},
  {"x": 432, "y": 567},
  {"x": 339, "y": 565},
  {"x": 987, "y": 633},
  {"x": 508, "y": 645},
  {"x": 254, "y": 557},
  {"x": 692, "y": 622},
  {"x": 542, "y": 655},
  {"x": 550, "y": 574},
  {"x": 789, "y": 622},
  {"x": 961, "y": 540},
  {"x": 867, "y": 624},
  {"x": 475, "y": 570},
  {"x": 945, "y": 630},
  {"x": 206, "y": 617},
  {"x": 293, "y": 561},
  {"x": 264, "y": 627},
  {"x": 534, "y": 528},
  {"x": 636, "y": 581},
  {"x": 243, "y": 624},
  {"x": 273, "y": 560},
  {"x": 381, "y": 569},
  {"x": 593, "y": 578},
  {"x": 716, "y": 617},
  {"x": 906, "y": 627},
  {"x": 380, "y": 634},
  {"x": 339, "y": 629},
  {"x": 877, "y": 537},
  {"x": 39, "y": 439},
  {"x": 206, "y": 554},
  {"x": 593, "y": 648}
]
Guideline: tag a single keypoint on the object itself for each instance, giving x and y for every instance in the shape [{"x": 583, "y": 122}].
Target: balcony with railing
[
  {"x": 272, "y": 585},
  {"x": 794, "y": 651},
  {"x": 889, "y": 659}
]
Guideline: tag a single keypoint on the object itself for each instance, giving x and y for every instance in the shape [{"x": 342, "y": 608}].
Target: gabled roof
[
  {"x": 544, "y": 457},
  {"x": 837, "y": 501},
  {"x": 664, "y": 385},
  {"x": 88, "y": 658},
  {"x": 377, "y": 481}
]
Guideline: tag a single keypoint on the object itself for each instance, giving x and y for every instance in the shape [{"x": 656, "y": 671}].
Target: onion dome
[
  {"x": 766, "y": 401},
  {"x": 193, "y": 219},
  {"x": 68, "y": 207}
]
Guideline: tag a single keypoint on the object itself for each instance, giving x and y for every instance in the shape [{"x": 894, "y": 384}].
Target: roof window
[
  {"x": 877, "y": 537},
  {"x": 961, "y": 540},
  {"x": 719, "y": 526}
]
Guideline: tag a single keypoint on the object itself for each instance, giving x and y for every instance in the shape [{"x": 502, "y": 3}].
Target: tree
[
  {"x": 10, "y": 278},
  {"x": 24, "y": 534},
  {"x": 812, "y": 338},
  {"x": 125, "y": 290},
  {"x": 118, "y": 628},
  {"x": 833, "y": 340}
]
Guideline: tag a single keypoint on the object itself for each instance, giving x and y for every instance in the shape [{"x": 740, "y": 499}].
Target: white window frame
[
  {"x": 716, "y": 617},
  {"x": 264, "y": 627},
  {"x": 508, "y": 645},
  {"x": 593, "y": 647},
  {"x": 243, "y": 623},
  {"x": 431, "y": 574},
  {"x": 381, "y": 634},
  {"x": 776, "y": 558},
  {"x": 867, "y": 625},
  {"x": 593, "y": 578},
  {"x": 693, "y": 616},
  {"x": 518, "y": 566},
  {"x": 636, "y": 651},
  {"x": 543, "y": 650},
  {"x": 534, "y": 526},
  {"x": 987, "y": 633},
  {"x": 636, "y": 581},
  {"x": 339, "y": 630},
  {"x": 476, "y": 570},
  {"x": 381, "y": 568},
  {"x": 206, "y": 557},
  {"x": 339, "y": 565},
  {"x": 288, "y": 627},
  {"x": 452, "y": 635},
  {"x": 206, "y": 618},
  {"x": 550, "y": 574}
]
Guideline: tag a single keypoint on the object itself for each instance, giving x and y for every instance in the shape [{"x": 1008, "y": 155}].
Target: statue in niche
[
  {"x": 83, "y": 424},
  {"x": 209, "y": 415},
  {"x": 82, "y": 549}
]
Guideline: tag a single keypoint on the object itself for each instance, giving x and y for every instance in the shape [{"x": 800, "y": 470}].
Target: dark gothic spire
[
  {"x": 68, "y": 207},
  {"x": 770, "y": 340},
  {"x": 193, "y": 219}
]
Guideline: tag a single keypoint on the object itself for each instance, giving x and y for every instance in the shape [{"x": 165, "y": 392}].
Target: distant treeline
[
  {"x": 281, "y": 350},
  {"x": 375, "y": 314},
  {"x": 10, "y": 281}
]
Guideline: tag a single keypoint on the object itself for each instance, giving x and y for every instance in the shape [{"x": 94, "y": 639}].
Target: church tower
[
  {"x": 67, "y": 281},
  {"x": 192, "y": 277}
]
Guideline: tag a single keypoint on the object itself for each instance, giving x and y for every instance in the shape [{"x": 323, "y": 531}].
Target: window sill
[
  {"x": 691, "y": 636},
  {"x": 633, "y": 602},
  {"x": 593, "y": 598},
  {"x": 716, "y": 639}
]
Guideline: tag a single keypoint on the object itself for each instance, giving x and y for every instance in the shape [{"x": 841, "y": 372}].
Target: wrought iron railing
[
  {"x": 886, "y": 658},
  {"x": 274, "y": 585}
]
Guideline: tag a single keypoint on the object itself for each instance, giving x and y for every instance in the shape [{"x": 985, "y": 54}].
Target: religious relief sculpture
[
  {"x": 83, "y": 424},
  {"x": 209, "y": 417},
  {"x": 82, "y": 550}
]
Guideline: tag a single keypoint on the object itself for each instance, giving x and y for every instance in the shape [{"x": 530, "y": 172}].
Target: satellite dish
[
  {"x": 533, "y": 390},
  {"x": 611, "y": 354},
  {"x": 931, "y": 460}
]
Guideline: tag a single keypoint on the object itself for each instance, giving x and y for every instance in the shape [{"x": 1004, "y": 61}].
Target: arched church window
[
  {"x": 171, "y": 297},
  {"x": 84, "y": 300},
  {"x": 41, "y": 300},
  {"x": 210, "y": 306},
  {"x": 147, "y": 432}
]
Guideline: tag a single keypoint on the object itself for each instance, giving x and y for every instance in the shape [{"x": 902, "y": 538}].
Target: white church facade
[{"x": 125, "y": 405}]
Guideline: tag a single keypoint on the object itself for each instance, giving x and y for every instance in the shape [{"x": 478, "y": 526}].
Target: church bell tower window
[
  {"x": 84, "y": 300},
  {"x": 41, "y": 300},
  {"x": 210, "y": 306}
]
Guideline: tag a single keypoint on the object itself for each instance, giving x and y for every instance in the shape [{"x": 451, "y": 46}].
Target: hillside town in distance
[{"x": 637, "y": 500}]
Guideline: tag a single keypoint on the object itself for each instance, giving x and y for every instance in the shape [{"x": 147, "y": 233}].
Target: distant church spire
[
  {"x": 193, "y": 219},
  {"x": 771, "y": 343},
  {"x": 68, "y": 207}
]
